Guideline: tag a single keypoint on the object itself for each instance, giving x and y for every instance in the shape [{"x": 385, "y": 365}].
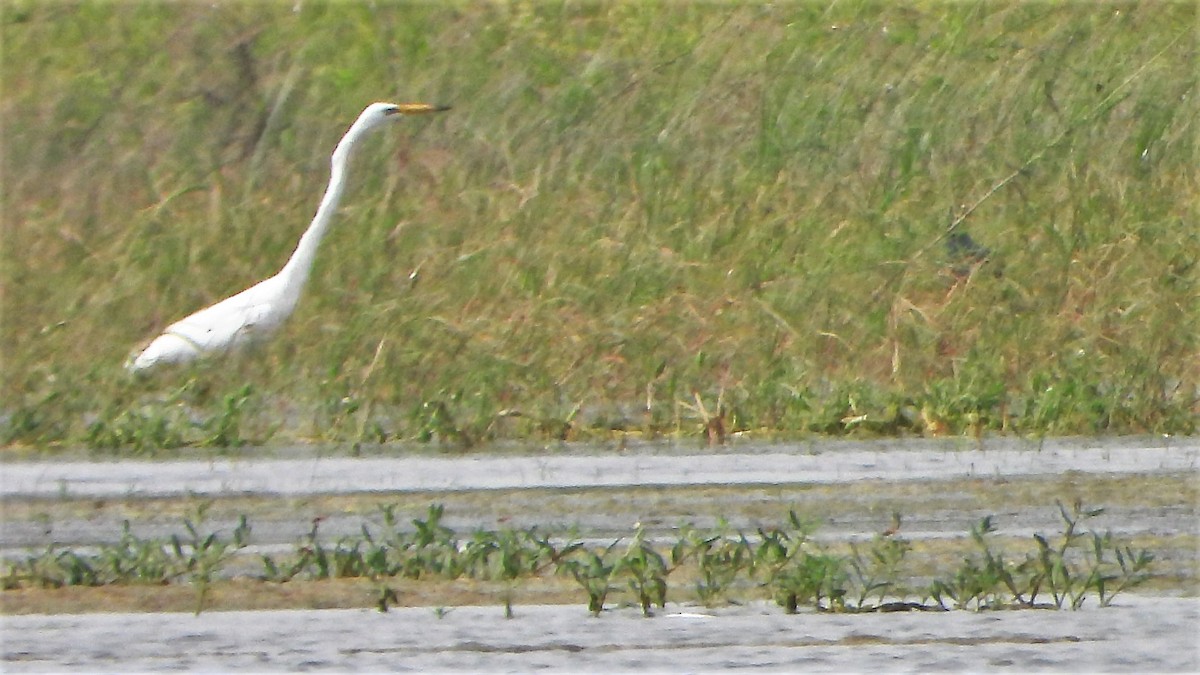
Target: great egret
[{"x": 260, "y": 309}]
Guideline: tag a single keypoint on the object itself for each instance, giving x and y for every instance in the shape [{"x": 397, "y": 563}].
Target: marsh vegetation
[{"x": 681, "y": 219}]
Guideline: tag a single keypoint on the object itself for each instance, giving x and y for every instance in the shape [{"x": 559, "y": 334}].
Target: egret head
[
  {"x": 378, "y": 113},
  {"x": 373, "y": 116}
]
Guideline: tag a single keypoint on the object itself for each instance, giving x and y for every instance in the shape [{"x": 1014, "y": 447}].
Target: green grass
[{"x": 652, "y": 218}]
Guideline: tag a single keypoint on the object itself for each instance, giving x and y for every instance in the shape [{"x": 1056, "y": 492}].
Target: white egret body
[{"x": 260, "y": 309}]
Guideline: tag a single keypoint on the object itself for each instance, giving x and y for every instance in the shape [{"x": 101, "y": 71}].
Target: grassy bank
[{"x": 691, "y": 219}]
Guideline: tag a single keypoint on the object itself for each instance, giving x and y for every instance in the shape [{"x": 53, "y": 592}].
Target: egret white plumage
[{"x": 262, "y": 308}]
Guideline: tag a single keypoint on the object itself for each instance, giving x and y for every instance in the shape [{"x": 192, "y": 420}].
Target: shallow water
[
  {"x": 761, "y": 465},
  {"x": 1139, "y": 634},
  {"x": 605, "y": 492}
]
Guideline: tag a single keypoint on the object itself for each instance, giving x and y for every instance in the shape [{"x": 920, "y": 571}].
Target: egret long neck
[{"x": 295, "y": 272}]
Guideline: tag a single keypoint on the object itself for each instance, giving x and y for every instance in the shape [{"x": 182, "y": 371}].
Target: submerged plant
[
  {"x": 796, "y": 571},
  {"x": 879, "y": 570},
  {"x": 645, "y": 571},
  {"x": 1069, "y": 578},
  {"x": 720, "y": 559},
  {"x": 203, "y": 554},
  {"x": 593, "y": 570}
]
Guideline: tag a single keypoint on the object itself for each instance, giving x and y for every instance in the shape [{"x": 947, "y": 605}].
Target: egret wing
[{"x": 232, "y": 321}]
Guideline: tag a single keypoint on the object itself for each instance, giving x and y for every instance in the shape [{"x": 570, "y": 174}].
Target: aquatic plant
[{"x": 784, "y": 561}]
